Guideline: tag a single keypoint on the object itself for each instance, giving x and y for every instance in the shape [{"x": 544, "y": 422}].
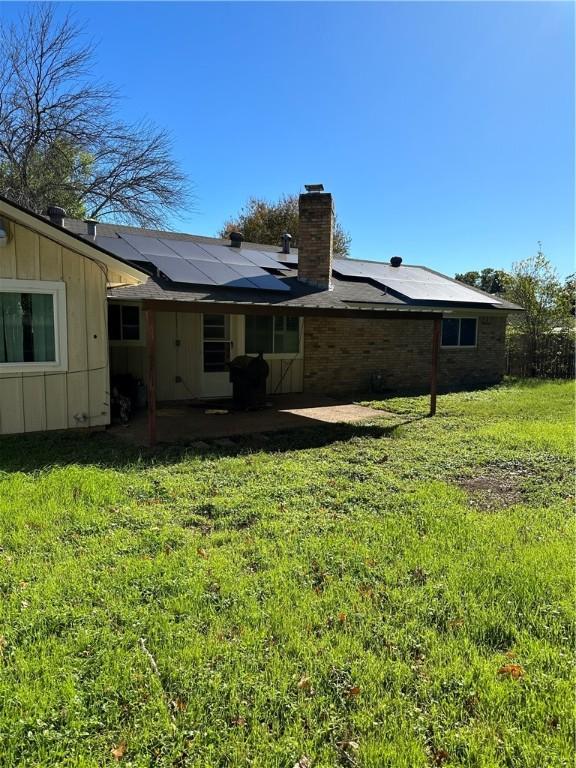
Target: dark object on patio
[
  {"x": 126, "y": 396},
  {"x": 248, "y": 376}
]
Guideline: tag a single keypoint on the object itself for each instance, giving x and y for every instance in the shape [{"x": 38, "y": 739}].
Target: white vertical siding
[{"x": 31, "y": 402}]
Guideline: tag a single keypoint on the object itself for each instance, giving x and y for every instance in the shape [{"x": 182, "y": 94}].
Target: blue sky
[{"x": 445, "y": 131}]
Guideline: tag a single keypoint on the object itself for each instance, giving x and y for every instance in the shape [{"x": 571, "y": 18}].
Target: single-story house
[{"x": 83, "y": 301}]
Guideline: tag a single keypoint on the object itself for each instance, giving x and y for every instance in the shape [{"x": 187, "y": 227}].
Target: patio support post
[
  {"x": 151, "y": 381},
  {"x": 434, "y": 376}
]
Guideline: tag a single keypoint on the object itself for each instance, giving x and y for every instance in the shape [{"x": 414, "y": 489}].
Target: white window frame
[
  {"x": 280, "y": 355},
  {"x": 460, "y": 346},
  {"x": 58, "y": 291},
  {"x": 141, "y": 342}
]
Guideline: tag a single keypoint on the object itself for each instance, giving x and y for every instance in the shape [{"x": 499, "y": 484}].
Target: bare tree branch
[{"x": 59, "y": 143}]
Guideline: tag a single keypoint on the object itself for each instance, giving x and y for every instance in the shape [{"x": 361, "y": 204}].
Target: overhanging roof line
[
  {"x": 232, "y": 308},
  {"x": 65, "y": 237}
]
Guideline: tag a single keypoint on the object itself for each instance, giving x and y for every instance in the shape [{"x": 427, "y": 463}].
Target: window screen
[
  {"x": 459, "y": 332},
  {"x": 27, "y": 328},
  {"x": 259, "y": 334},
  {"x": 272, "y": 335},
  {"x": 123, "y": 322}
]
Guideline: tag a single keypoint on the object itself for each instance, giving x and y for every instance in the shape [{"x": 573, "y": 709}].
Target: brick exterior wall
[
  {"x": 315, "y": 238},
  {"x": 340, "y": 355}
]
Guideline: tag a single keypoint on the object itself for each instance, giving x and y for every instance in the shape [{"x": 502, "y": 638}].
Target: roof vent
[
  {"x": 395, "y": 261},
  {"x": 56, "y": 215},
  {"x": 91, "y": 228},
  {"x": 286, "y": 238},
  {"x": 236, "y": 239}
]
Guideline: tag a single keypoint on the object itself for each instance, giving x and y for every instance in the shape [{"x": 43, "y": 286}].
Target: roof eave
[{"x": 64, "y": 237}]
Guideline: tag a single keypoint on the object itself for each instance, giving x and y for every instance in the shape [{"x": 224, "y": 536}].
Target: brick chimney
[{"x": 315, "y": 234}]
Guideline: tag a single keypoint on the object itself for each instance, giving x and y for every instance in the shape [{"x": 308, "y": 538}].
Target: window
[
  {"x": 32, "y": 325},
  {"x": 123, "y": 322},
  {"x": 272, "y": 335},
  {"x": 216, "y": 344},
  {"x": 459, "y": 331}
]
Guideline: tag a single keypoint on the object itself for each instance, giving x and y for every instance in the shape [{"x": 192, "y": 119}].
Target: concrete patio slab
[{"x": 189, "y": 422}]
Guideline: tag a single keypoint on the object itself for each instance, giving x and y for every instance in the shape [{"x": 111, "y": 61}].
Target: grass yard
[{"x": 393, "y": 594}]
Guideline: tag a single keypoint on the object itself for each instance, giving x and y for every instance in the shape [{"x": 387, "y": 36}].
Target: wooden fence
[{"x": 550, "y": 357}]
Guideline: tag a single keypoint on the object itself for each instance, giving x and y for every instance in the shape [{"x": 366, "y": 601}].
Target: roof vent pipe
[
  {"x": 56, "y": 215},
  {"x": 236, "y": 239},
  {"x": 91, "y": 228},
  {"x": 395, "y": 261},
  {"x": 286, "y": 238}
]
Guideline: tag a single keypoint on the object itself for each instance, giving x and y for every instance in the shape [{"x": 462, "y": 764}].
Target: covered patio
[
  {"x": 165, "y": 423},
  {"x": 192, "y": 422}
]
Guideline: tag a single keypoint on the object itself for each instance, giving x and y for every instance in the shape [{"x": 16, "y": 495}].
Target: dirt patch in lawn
[{"x": 497, "y": 485}]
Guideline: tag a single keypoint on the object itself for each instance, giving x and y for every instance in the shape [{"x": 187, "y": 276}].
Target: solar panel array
[
  {"x": 413, "y": 282},
  {"x": 186, "y": 261}
]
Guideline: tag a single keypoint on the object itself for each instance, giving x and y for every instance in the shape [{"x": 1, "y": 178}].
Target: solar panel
[
  {"x": 120, "y": 248},
  {"x": 185, "y": 261},
  {"x": 348, "y": 268},
  {"x": 225, "y": 254},
  {"x": 412, "y": 282},
  {"x": 224, "y": 275},
  {"x": 261, "y": 279},
  {"x": 287, "y": 258},
  {"x": 187, "y": 249},
  {"x": 149, "y": 246},
  {"x": 264, "y": 259},
  {"x": 181, "y": 271}
]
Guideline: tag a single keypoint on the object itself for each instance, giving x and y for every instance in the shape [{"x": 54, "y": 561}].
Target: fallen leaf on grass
[
  {"x": 515, "y": 671},
  {"x": 305, "y": 684},
  {"x": 239, "y": 721},
  {"x": 304, "y": 762},
  {"x": 342, "y": 617},
  {"x": 344, "y": 745},
  {"x": 201, "y": 552},
  {"x": 353, "y": 691},
  {"x": 119, "y": 751},
  {"x": 439, "y": 756},
  {"x": 179, "y": 705}
]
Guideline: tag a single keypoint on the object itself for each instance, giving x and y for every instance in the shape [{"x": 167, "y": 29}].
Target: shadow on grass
[{"x": 33, "y": 453}]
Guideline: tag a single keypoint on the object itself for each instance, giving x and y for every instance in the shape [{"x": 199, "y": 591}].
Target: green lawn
[{"x": 396, "y": 594}]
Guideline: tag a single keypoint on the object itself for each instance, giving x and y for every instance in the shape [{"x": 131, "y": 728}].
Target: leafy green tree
[
  {"x": 534, "y": 284},
  {"x": 262, "y": 221},
  {"x": 567, "y": 298},
  {"x": 55, "y": 175},
  {"x": 60, "y": 142},
  {"x": 488, "y": 280}
]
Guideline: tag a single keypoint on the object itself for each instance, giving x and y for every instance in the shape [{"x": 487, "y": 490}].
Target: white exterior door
[{"x": 220, "y": 335}]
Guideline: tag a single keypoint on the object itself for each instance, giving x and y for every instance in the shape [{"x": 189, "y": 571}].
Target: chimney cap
[
  {"x": 395, "y": 261},
  {"x": 314, "y": 187}
]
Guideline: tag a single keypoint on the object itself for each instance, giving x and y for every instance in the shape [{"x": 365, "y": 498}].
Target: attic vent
[
  {"x": 56, "y": 214},
  {"x": 286, "y": 238},
  {"x": 236, "y": 239},
  {"x": 395, "y": 261},
  {"x": 91, "y": 228}
]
